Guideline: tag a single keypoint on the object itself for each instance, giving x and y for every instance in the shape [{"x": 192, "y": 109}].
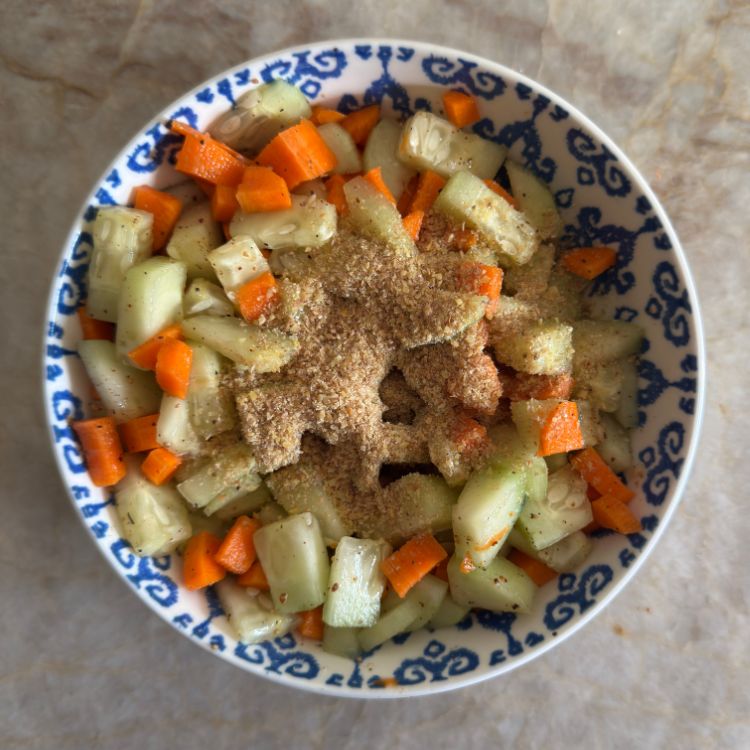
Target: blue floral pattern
[{"x": 600, "y": 201}]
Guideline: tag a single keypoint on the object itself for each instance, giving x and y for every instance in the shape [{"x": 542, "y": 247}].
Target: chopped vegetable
[
  {"x": 94, "y": 330},
  {"x": 348, "y": 158},
  {"x": 534, "y": 569},
  {"x": 200, "y": 566},
  {"x": 206, "y": 159},
  {"x": 407, "y": 196},
  {"x": 160, "y": 465},
  {"x": 139, "y": 434},
  {"x": 592, "y": 467},
  {"x": 145, "y": 355},
  {"x": 257, "y": 296},
  {"x": 412, "y": 562},
  {"x": 255, "y": 577},
  {"x": 413, "y": 223},
  {"x": 323, "y": 115},
  {"x": 224, "y": 203},
  {"x": 428, "y": 188},
  {"x": 382, "y": 151},
  {"x": 311, "y": 623},
  {"x": 237, "y": 550},
  {"x": 484, "y": 280},
  {"x": 102, "y": 450},
  {"x": 589, "y": 262},
  {"x": 502, "y": 192},
  {"x": 335, "y": 192},
  {"x": 165, "y": 209},
  {"x": 375, "y": 178},
  {"x": 359, "y": 124},
  {"x": 262, "y": 189},
  {"x": 612, "y": 513},
  {"x": 561, "y": 431},
  {"x": 461, "y": 109},
  {"x": 173, "y": 363}
]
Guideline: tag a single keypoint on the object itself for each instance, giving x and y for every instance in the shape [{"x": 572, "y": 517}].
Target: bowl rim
[{"x": 676, "y": 494}]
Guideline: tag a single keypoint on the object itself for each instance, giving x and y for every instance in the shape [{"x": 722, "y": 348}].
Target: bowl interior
[{"x": 602, "y": 199}]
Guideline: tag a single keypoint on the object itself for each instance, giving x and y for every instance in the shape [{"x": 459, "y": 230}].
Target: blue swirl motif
[
  {"x": 214, "y": 610},
  {"x": 146, "y": 573},
  {"x": 306, "y": 71},
  {"x": 436, "y": 663},
  {"x": 445, "y": 72},
  {"x": 72, "y": 289},
  {"x": 277, "y": 656},
  {"x": 67, "y": 407},
  {"x": 602, "y": 164},
  {"x": 577, "y": 594},
  {"x": 657, "y": 383},
  {"x": 501, "y": 622},
  {"x": 160, "y": 145},
  {"x": 670, "y": 304},
  {"x": 663, "y": 462}
]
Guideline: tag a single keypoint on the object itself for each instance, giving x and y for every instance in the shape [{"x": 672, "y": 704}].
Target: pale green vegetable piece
[
  {"x": 531, "y": 279},
  {"x": 614, "y": 447},
  {"x": 270, "y": 513},
  {"x": 247, "y": 503},
  {"x": 174, "y": 430},
  {"x": 448, "y": 613},
  {"x": 543, "y": 348},
  {"x": 341, "y": 642},
  {"x": 529, "y": 418},
  {"x": 601, "y": 384},
  {"x": 348, "y": 160},
  {"x": 210, "y": 403},
  {"x": 203, "y": 296},
  {"x": 236, "y": 262},
  {"x": 430, "y": 592},
  {"x": 390, "y": 623},
  {"x": 627, "y": 410},
  {"x": 381, "y": 151},
  {"x": 535, "y": 201},
  {"x": 563, "y": 556},
  {"x": 195, "y": 235},
  {"x": 597, "y": 341},
  {"x": 588, "y": 418}
]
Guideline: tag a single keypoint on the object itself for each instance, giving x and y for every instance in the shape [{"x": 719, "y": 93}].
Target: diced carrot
[
  {"x": 224, "y": 203},
  {"x": 484, "y": 280},
  {"x": 208, "y": 188},
  {"x": 412, "y": 562},
  {"x": 91, "y": 328},
  {"x": 534, "y": 569},
  {"x": 468, "y": 435},
  {"x": 165, "y": 209},
  {"x": 200, "y": 567},
  {"x": 461, "y": 109},
  {"x": 237, "y": 550},
  {"x": 413, "y": 223},
  {"x": 139, "y": 434},
  {"x": 257, "y": 296},
  {"x": 441, "y": 570},
  {"x": 502, "y": 192},
  {"x": 311, "y": 623},
  {"x": 359, "y": 124},
  {"x": 160, "y": 465},
  {"x": 102, "y": 450},
  {"x": 591, "y": 527},
  {"x": 298, "y": 154},
  {"x": 465, "y": 238},
  {"x": 335, "y": 192},
  {"x": 205, "y": 158},
  {"x": 407, "y": 196},
  {"x": 182, "y": 128},
  {"x": 255, "y": 578},
  {"x": 375, "y": 178},
  {"x": 561, "y": 431},
  {"x": 262, "y": 189},
  {"x": 145, "y": 355},
  {"x": 592, "y": 467},
  {"x": 523, "y": 386},
  {"x": 589, "y": 262},
  {"x": 428, "y": 186},
  {"x": 612, "y": 513},
  {"x": 323, "y": 115},
  {"x": 592, "y": 493},
  {"x": 173, "y": 363}
]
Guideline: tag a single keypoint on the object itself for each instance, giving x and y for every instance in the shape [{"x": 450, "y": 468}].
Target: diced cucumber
[
  {"x": 199, "y": 522},
  {"x": 512, "y": 316},
  {"x": 236, "y": 262},
  {"x": 627, "y": 411},
  {"x": 597, "y": 341},
  {"x": 270, "y": 513},
  {"x": 529, "y": 418},
  {"x": 535, "y": 200},
  {"x": 250, "y": 614},
  {"x": 341, "y": 642},
  {"x": 314, "y": 187},
  {"x": 154, "y": 519},
  {"x": 588, "y": 418},
  {"x": 294, "y": 558},
  {"x": 614, "y": 447},
  {"x": 430, "y": 142},
  {"x": 467, "y": 200},
  {"x": 174, "y": 430},
  {"x": 126, "y": 393},
  {"x": 150, "y": 300},
  {"x": 244, "y": 504},
  {"x": 210, "y": 404},
  {"x": 195, "y": 235},
  {"x": 486, "y": 510},
  {"x": 531, "y": 279},
  {"x": 382, "y": 151},
  {"x": 188, "y": 193},
  {"x": 356, "y": 583},
  {"x": 203, "y": 296},
  {"x": 430, "y": 592},
  {"x": 265, "y": 350},
  {"x": 501, "y": 587},
  {"x": 310, "y": 222},
  {"x": 122, "y": 238},
  {"x": 260, "y": 114},
  {"x": 563, "y": 297},
  {"x": 601, "y": 384},
  {"x": 543, "y": 348},
  {"x": 563, "y": 556},
  {"x": 348, "y": 160},
  {"x": 556, "y": 461},
  {"x": 390, "y": 623},
  {"x": 221, "y": 479},
  {"x": 448, "y": 613},
  {"x": 376, "y": 217}
]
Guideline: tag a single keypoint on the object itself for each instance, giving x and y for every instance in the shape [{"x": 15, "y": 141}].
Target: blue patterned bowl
[{"x": 602, "y": 199}]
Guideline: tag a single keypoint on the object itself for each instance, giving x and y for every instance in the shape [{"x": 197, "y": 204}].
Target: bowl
[{"x": 602, "y": 199}]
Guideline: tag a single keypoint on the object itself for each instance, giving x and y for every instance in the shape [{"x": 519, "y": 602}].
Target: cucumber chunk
[
  {"x": 356, "y": 583},
  {"x": 210, "y": 405},
  {"x": 530, "y": 280},
  {"x": 195, "y": 235},
  {"x": 174, "y": 430},
  {"x": 598, "y": 341},
  {"x": 203, "y": 296},
  {"x": 529, "y": 417},
  {"x": 543, "y": 348},
  {"x": 535, "y": 200},
  {"x": 348, "y": 160},
  {"x": 601, "y": 384},
  {"x": 236, "y": 262},
  {"x": 382, "y": 151},
  {"x": 430, "y": 592},
  {"x": 391, "y": 623},
  {"x": 614, "y": 446},
  {"x": 248, "y": 503},
  {"x": 448, "y": 613},
  {"x": 270, "y": 513},
  {"x": 627, "y": 410},
  {"x": 341, "y": 642},
  {"x": 293, "y": 555},
  {"x": 588, "y": 418}
]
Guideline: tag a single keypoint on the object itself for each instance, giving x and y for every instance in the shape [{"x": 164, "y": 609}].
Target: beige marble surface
[{"x": 84, "y": 664}]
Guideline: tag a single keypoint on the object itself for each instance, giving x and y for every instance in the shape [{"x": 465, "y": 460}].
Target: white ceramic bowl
[{"x": 602, "y": 198}]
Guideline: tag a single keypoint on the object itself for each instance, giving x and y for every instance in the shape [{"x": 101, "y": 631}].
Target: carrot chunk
[
  {"x": 91, "y": 328},
  {"x": 145, "y": 355},
  {"x": 413, "y": 223},
  {"x": 335, "y": 192},
  {"x": 407, "y": 196},
  {"x": 255, "y": 578},
  {"x": 412, "y": 562},
  {"x": 102, "y": 450},
  {"x": 534, "y": 569},
  {"x": 428, "y": 186},
  {"x": 592, "y": 467},
  {"x": 461, "y": 109},
  {"x": 255, "y": 297},
  {"x": 160, "y": 465},
  {"x": 139, "y": 434},
  {"x": 375, "y": 178},
  {"x": 484, "y": 280},
  {"x": 224, "y": 203},
  {"x": 501, "y": 191},
  {"x": 165, "y": 209},
  {"x": 237, "y": 550},
  {"x": 206, "y": 159},
  {"x": 200, "y": 567},
  {"x": 561, "y": 431},
  {"x": 359, "y": 124},
  {"x": 589, "y": 262},
  {"x": 262, "y": 189},
  {"x": 311, "y": 623},
  {"x": 323, "y": 115},
  {"x": 173, "y": 363},
  {"x": 612, "y": 513}
]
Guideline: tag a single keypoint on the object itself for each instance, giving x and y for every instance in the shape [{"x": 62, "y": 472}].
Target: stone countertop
[{"x": 85, "y": 664}]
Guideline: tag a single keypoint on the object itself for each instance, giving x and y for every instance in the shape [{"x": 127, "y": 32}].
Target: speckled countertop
[{"x": 84, "y": 664}]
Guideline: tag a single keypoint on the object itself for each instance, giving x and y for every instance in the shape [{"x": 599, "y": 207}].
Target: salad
[{"x": 346, "y": 371}]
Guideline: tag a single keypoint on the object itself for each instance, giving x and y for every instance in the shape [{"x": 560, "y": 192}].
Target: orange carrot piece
[
  {"x": 501, "y": 191},
  {"x": 413, "y": 223},
  {"x": 323, "y": 115},
  {"x": 255, "y": 578},
  {"x": 224, "y": 203},
  {"x": 561, "y": 431},
  {"x": 375, "y": 178},
  {"x": 208, "y": 188},
  {"x": 139, "y": 434},
  {"x": 441, "y": 570},
  {"x": 91, "y": 328},
  {"x": 461, "y": 109},
  {"x": 359, "y": 124},
  {"x": 534, "y": 569},
  {"x": 237, "y": 550},
  {"x": 589, "y": 262},
  {"x": 102, "y": 450},
  {"x": 160, "y": 465},
  {"x": 298, "y": 154},
  {"x": 590, "y": 527},
  {"x": 182, "y": 128},
  {"x": 468, "y": 435},
  {"x": 407, "y": 196},
  {"x": 412, "y": 562},
  {"x": 311, "y": 623},
  {"x": 592, "y": 493},
  {"x": 255, "y": 297},
  {"x": 429, "y": 185},
  {"x": 262, "y": 189},
  {"x": 200, "y": 567},
  {"x": 206, "y": 159},
  {"x": 145, "y": 355},
  {"x": 592, "y": 467},
  {"x": 523, "y": 386},
  {"x": 165, "y": 209},
  {"x": 173, "y": 363},
  {"x": 335, "y": 192},
  {"x": 484, "y": 280},
  {"x": 612, "y": 513},
  {"x": 465, "y": 239}
]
